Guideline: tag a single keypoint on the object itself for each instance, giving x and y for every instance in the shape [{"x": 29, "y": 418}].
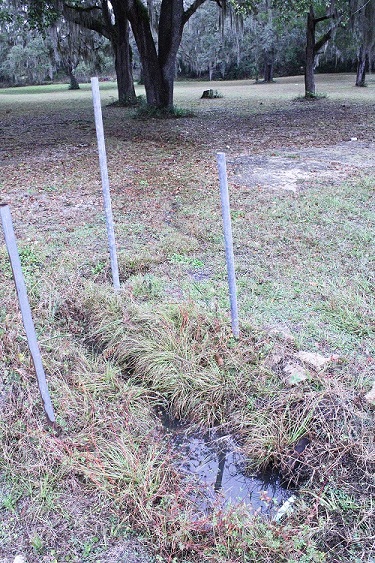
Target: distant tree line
[
  {"x": 156, "y": 41},
  {"x": 64, "y": 49}
]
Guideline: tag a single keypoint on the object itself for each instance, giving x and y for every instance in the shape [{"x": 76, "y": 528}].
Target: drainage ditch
[{"x": 218, "y": 470}]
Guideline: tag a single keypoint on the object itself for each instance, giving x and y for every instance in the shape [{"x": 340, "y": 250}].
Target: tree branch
[
  {"x": 89, "y": 17},
  {"x": 191, "y": 10},
  {"x": 322, "y": 41},
  {"x": 323, "y": 18},
  {"x": 82, "y": 8}
]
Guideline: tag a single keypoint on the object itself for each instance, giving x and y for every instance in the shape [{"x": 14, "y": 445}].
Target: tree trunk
[
  {"x": 169, "y": 39},
  {"x": 310, "y": 55},
  {"x": 123, "y": 66},
  {"x": 159, "y": 68},
  {"x": 313, "y": 47},
  {"x": 361, "y": 68},
  {"x": 138, "y": 17},
  {"x": 73, "y": 80},
  {"x": 268, "y": 70}
]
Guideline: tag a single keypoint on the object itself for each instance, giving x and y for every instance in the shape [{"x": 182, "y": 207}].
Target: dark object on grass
[
  {"x": 210, "y": 94},
  {"x": 301, "y": 445},
  {"x": 299, "y": 448}
]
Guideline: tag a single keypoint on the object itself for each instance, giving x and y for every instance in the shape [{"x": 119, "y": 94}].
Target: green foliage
[
  {"x": 28, "y": 64},
  {"x": 187, "y": 260},
  {"x": 89, "y": 546},
  {"x": 5, "y": 16},
  {"x": 29, "y": 258},
  {"x": 41, "y": 14},
  {"x": 239, "y": 47},
  {"x": 37, "y": 544},
  {"x": 313, "y": 96}
]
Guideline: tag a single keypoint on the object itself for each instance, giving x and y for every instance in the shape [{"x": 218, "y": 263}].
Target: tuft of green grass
[{"x": 312, "y": 96}]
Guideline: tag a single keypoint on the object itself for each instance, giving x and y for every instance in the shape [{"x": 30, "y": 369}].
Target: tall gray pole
[
  {"x": 10, "y": 241},
  {"x": 105, "y": 180},
  {"x": 225, "y": 208}
]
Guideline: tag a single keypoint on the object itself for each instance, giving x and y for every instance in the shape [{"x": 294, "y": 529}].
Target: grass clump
[
  {"x": 176, "y": 354},
  {"x": 311, "y": 96},
  {"x": 145, "y": 111}
]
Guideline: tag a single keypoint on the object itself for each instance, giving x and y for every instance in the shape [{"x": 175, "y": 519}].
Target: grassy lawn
[{"x": 104, "y": 485}]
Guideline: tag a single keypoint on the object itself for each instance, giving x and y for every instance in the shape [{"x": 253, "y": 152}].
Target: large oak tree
[
  {"x": 157, "y": 52},
  {"x": 104, "y": 18}
]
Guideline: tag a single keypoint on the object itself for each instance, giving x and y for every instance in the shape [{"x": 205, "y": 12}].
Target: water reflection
[{"x": 219, "y": 468}]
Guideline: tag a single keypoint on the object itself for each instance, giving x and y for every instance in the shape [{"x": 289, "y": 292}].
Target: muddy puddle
[{"x": 218, "y": 469}]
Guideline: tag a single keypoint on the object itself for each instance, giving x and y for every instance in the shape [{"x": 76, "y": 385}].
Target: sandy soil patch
[{"x": 294, "y": 169}]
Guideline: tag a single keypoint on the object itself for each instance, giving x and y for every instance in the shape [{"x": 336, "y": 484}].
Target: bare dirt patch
[{"x": 294, "y": 169}]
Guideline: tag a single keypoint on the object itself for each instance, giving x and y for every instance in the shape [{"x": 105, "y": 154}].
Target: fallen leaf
[
  {"x": 219, "y": 360},
  {"x": 295, "y": 373}
]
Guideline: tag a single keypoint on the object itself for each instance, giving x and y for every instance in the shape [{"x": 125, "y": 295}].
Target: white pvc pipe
[
  {"x": 10, "y": 241},
  {"x": 105, "y": 180},
  {"x": 225, "y": 208}
]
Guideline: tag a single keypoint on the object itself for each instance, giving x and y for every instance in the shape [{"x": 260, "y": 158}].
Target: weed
[
  {"x": 187, "y": 261},
  {"x": 29, "y": 258},
  {"x": 37, "y": 544},
  {"x": 9, "y": 502},
  {"x": 147, "y": 286},
  {"x": 89, "y": 546},
  {"x": 50, "y": 188},
  {"x": 99, "y": 267},
  {"x": 237, "y": 214}
]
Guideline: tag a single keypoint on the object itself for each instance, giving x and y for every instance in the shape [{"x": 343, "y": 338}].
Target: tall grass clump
[
  {"x": 128, "y": 363},
  {"x": 198, "y": 373},
  {"x": 177, "y": 354}
]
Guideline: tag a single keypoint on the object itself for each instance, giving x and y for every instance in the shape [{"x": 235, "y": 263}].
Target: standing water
[{"x": 219, "y": 469}]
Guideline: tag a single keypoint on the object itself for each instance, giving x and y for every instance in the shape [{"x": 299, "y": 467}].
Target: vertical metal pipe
[
  {"x": 105, "y": 180},
  {"x": 10, "y": 241},
  {"x": 225, "y": 208}
]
